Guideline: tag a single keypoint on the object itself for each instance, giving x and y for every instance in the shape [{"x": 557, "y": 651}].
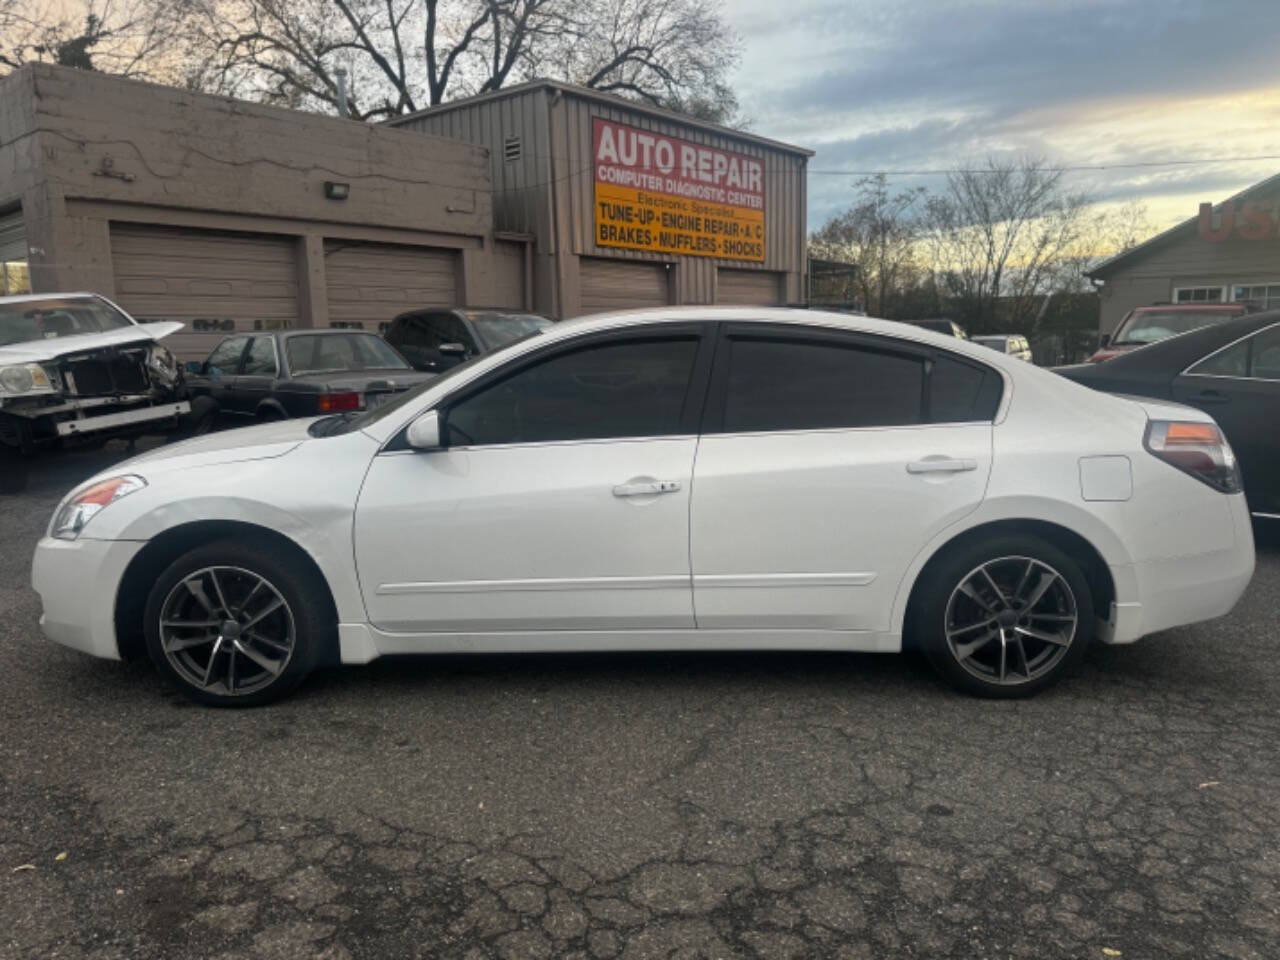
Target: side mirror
[
  {"x": 1104, "y": 340},
  {"x": 424, "y": 433},
  {"x": 193, "y": 366},
  {"x": 453, "y": 350}
]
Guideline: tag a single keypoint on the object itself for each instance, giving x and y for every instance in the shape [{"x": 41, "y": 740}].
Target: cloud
[{"x": 909, "y": 84}]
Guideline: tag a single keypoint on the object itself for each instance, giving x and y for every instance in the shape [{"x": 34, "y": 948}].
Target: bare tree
[
  {"x": 879, "y": 234},
  {"x": 997, "y": 236},
  {"x": 402, "y": 55},
  {"x": 124, "y": 37}
]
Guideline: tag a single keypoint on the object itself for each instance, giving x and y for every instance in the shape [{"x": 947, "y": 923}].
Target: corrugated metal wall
[
  {"x": 549, "y": 190},
  {"x": 521, "y": 200}
]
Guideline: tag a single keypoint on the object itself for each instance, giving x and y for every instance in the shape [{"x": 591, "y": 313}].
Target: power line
[{"x": 1201, "y": 161}]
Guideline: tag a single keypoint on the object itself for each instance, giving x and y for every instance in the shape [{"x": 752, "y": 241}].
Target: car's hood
[
  {"x": 229, "y": 446},
  {"x": 38, "y": 351}
]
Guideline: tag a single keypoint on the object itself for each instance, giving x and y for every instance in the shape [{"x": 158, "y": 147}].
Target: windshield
[
  {"x": 499, "y": 329},
  {"x": 30, "y": 320},
  {"x": 347, "y": 422},
  {"x": 1151, "y": 325},
  {"x": 339, "y": 352}
]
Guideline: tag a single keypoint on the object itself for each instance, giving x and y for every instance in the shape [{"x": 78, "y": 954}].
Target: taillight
[
  {"x": 1196, "y": 448},
  {"x": 338, "y": 402}
]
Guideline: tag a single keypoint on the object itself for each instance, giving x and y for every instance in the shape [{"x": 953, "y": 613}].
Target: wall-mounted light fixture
[{"x": 336, "y": 191}]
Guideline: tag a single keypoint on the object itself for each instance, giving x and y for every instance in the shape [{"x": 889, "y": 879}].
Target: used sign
[{"x": 668, "y": 195}]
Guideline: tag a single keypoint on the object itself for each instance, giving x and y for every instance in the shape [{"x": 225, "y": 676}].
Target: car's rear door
[
  {"x": 1239, "y": 386},
  {"x": 827, "y": 460},
  {"x": 561, "y": 500}
]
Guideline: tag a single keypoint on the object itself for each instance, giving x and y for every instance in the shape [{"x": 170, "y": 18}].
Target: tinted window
[
  {"x": 1231, "y": 362},
  {"x": 446, "y": 328},
  {"x": 225, "y": 359},
  {"x": 261, "y": 361},
  {"x": 1266, "y": 355},
  {"x": 961, "y": 393},
  {"x": 629, "y": 389},
  {"x": 809, "y": 385}
]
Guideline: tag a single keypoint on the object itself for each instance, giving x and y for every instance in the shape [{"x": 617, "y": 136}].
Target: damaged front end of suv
[{"x": 74, "y": 368}]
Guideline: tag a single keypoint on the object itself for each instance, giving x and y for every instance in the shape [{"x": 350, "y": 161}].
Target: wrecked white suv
[{"x": 75, "y": 366}]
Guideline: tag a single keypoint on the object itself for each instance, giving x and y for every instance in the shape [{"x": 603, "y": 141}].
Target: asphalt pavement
[{"x": 675, "y": 806}]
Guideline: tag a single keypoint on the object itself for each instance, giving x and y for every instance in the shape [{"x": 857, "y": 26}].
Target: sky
[{"x": 935, "y": 84}]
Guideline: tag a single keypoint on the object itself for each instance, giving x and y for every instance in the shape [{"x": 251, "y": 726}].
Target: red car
[{"x": 1144, "y": 325}]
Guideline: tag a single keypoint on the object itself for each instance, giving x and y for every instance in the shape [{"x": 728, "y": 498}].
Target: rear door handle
[
  {"x": 646, "y": 488},
  {"x": 941, "y": 465},
  {"x": 1211, "y": 396}
]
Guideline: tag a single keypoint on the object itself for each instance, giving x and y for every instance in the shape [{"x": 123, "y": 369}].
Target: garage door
[
  {"x": 754, "y": 288},
  {"x": 622, "y": 284},
  {"x": 213, "y": 281},
  {"x": 370, "y": 283}
]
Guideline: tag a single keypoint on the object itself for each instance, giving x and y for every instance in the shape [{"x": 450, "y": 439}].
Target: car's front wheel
[
  {"x": 1004, "y": 618},
  {"x": 236, "y": 624}
]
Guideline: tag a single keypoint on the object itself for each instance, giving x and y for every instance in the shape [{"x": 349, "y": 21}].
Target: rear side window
[
  {"x": 798, "y": 384},
  {"x": 629, "y": 389},
  {"x": 812, "y": 385},
  {"x": 960, "y": 392}
]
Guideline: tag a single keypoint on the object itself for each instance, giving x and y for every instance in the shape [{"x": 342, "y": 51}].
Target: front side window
[
  {"x": 335, "y": 352},
  {"x": 633, "y": 388},
  {"x": 261, "y": 361},
  {"x": 225, "y": 359},
  {"x": 446, "y": 328}
]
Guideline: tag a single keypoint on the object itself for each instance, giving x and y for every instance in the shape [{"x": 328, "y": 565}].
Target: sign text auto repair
[{"x": 668, "y": 195}]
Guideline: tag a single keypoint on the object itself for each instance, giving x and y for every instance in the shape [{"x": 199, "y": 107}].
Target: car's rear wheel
[
  {"x": 236, "y": 624},
  {"x": 1004, "y": 618}
]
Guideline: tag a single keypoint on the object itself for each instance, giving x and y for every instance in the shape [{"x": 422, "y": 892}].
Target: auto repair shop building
[
  {"x": 235, "y": 216},
  {"x": 1228, "y": 252},
  {"x": 630, "y": 205}
]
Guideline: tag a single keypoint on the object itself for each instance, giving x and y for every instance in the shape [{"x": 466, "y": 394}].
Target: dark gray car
[
  {"x": 279, "y": 374},
  {"x": 436, "y": 339}
]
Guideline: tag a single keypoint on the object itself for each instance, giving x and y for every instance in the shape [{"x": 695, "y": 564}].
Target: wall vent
[{"x": 511, "y": 149}]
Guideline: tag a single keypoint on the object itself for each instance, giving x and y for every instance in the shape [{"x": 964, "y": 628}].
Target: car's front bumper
[
  {"x": 1158, "y": 594},
  {"x": 78, "y": 581}
]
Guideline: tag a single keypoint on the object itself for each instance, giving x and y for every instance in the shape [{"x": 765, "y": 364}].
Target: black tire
[
  {"x": 1007, "y": 560},
  {"x": 307, "y": 610},
  {"x": 202, "y": 419}
]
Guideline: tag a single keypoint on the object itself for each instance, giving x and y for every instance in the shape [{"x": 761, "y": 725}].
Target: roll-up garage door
[
  {"x": 14, "y": 277},
  {"x": 622, "y": 284},
  {"x": 753, "y": 288},
  {"x": 213, "y": 281},
  {"x": 369, "y": 284}
]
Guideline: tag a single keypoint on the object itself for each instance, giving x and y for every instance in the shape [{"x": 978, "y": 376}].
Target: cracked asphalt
[{"x": 675, "y": 806}]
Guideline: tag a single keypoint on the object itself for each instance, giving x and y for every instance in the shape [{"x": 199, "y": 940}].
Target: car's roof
[
  {"x": 310, "y": 332},
  {"x": 1190, "y": 307},
  {"x": 28, "y": 297}
]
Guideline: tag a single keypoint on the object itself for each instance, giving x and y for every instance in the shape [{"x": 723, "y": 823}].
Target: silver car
[{"x": 1008, "y": 343}]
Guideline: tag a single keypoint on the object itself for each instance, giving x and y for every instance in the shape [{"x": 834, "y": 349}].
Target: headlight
[
  {"x": 89, "y": 502},
  {"x": 163, "y": 365},
  {"x": 25, "y": 378}
]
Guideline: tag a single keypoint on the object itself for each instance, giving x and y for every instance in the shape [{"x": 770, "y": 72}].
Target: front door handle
[
  {"x": 646, "y": 488},
  {"x": 941, "y": 465}
]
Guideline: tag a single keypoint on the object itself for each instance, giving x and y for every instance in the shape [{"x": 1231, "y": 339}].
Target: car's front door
[
  {"x": 827, "y": 461},
  {"x": 257, "y": 376},
  {"x": 560, "y": 501},
  {"x": 222, "y": 370},
  {"x": 1239, "y": 386}
]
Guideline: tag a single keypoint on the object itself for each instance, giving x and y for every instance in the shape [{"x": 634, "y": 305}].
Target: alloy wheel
[
  {"x": 227, "y": 630},
  {"x": 1011, "y": 620}
]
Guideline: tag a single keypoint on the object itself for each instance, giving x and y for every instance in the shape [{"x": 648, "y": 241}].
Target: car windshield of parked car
[
  {"x": 499, "y": 329},
  {"x": 1152, "y": 326},
  {"x": 334, "y": 353},
  {"x": 31, "y": 320}
]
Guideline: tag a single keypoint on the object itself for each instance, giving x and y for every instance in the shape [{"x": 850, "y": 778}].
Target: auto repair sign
[{"x": 668, "y": 195}]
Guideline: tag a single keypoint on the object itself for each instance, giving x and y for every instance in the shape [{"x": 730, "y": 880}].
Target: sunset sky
[{"x": 928, "y": 84}]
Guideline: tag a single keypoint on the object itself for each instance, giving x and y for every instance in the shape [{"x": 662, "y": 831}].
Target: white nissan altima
[{"x": 680, "y": 479}]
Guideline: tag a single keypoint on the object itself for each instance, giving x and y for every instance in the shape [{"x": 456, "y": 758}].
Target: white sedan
[{"x": 681, "y": 479}]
